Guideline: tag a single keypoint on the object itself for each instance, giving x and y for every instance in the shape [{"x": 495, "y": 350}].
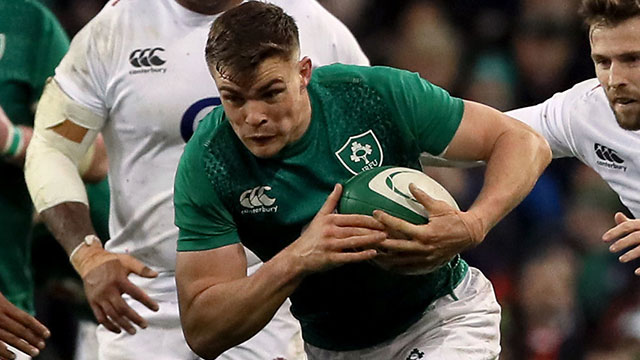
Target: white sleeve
[
  {"x": 323, "y": 37},
  {"x": 348, "y": 49},
  {"x": 82, "y": 73},
  {"x": 76, "y": 95},
  {"x": 552, "y": 119}
]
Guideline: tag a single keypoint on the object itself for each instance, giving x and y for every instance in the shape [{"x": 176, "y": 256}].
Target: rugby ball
[{"x": 387, "y": 188}]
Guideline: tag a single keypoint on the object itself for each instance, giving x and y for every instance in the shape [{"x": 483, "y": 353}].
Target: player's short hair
[
  {"x": 608, "y": 12},
  {"x": 246, "y": 35}
]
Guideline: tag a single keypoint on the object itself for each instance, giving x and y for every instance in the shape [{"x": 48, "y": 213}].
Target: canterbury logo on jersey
[
  {"x": 608, "y": 157},
  {"x": 415, "y": 354},
  {"x": 147, "y": 60},
  {"x": 256, "y": 201}
]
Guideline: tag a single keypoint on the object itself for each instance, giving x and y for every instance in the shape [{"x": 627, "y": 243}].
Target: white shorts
[
  {"x": 463, "y": 329},
  {"x": 163, "y": 338},
  {"x": 19, "y": 354},
  {"x": 86, "y": 341}
]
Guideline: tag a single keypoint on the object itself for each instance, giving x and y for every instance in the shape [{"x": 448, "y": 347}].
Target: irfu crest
[{"x": 361, "y": 152}]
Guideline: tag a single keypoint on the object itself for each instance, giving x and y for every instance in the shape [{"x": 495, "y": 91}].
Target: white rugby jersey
[
  {"x": 140, "y": 65},
  {"x": 580, "y": 123}
]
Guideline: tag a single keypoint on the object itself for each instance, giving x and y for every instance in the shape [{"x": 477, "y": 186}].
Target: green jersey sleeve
[
  {"x": 202, "y": 219},
  {"x": 426, "y": 113},
  {"x": 429, "y": 112}
]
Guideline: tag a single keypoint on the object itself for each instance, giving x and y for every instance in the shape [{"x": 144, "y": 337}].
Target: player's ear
[{"x": 305, "y": 68}]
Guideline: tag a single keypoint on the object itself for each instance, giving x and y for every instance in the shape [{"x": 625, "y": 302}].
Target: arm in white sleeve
[
  {"x": 51, "y": 168},
  {"x": 552, "y": 119}
]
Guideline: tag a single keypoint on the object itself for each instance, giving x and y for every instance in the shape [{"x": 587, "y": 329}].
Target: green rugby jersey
[
  {"x": 362, "y": 117},
  {"x": 32, "y": 43}
]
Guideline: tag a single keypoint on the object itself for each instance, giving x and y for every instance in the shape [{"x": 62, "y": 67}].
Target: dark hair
[
  {"x": 244, "y": 36},
  {"x": 608, "y": 12}
]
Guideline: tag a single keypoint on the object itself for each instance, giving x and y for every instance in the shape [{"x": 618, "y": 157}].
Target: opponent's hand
[
  {"x": 335, "y": 239},
  {"x": 105, "y": 277},
  {"x": 424, "y": 248},
  {"x": 20, "y": 330},
  {"x": 625, "y": 235}
]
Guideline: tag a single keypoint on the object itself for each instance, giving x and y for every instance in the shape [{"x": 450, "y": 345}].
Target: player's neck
[{"x": 209, "y": 7}]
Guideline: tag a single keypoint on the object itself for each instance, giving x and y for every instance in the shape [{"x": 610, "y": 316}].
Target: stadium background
[{"x": 564, "y": 296}]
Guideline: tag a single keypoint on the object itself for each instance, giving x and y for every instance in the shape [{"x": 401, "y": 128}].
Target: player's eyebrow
[
  {"x": 269, "y": 84},
  {"x": 228, "y": 89},
  {"x": 630, "y": 54},
  {"x": 262, "y": 88}
]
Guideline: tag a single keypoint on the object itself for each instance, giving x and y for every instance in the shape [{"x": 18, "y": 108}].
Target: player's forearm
[
  {"x": 518, "y": 158},
  {"x": 69, "y": 223},
  {"x": 228, "y": 314}
]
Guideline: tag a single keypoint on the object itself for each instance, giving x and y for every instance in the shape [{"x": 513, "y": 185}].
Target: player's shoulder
[
  {"x": 212, "y": 131},
  {"x": 207, "y": 129},
  {"x": 30, "y": 7},
  {"x": 580, "y": 102},
  {"x": 312, "y": 18},
  {"x": 299, "y": 7},
  {"x": 29, "y": 12},
  {"x": 358, "y": 74},
  {"x": 123, "y": 15},
  {"x": 140, "y": 8},
  {"x": 119, "y": 24},
  {"x": 586, "y": 92}
]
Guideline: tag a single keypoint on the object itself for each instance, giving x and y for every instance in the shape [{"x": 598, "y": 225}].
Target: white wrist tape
[
  {"x": 87, "y": 241},
  {"x": 51, "y": 164}
]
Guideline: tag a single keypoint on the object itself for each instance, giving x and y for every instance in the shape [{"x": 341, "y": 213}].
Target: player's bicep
[
  {"x": 479, "y": 130},
  {"x": 197, "y": 271},
  {"x": 66, "y": 124}
]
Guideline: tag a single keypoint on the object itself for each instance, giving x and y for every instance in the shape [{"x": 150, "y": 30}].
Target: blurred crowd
[{"x": 563, "y": 294}]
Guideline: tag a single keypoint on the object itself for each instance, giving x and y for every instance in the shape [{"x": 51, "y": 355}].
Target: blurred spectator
[
  {"x": 543, "y": 51},
  {"x": 492, "y": 81},
  {"x": 546, "y": 295},
  {"x": 74, "y": 14},
  {"x": 427, "y": 43},
  {"x": 350, "y": 12}
]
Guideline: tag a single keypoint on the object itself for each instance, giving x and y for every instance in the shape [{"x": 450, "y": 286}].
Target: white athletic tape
[
  {"x": 52, "y": 178},
  {"x": 51, "y": 167},
  {"x": 55, "y": 106}
]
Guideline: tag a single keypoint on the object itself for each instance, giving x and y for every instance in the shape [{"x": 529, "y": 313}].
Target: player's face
[
  {"x": 272, "y": 110},
  {"x": 616, "y": 54}
]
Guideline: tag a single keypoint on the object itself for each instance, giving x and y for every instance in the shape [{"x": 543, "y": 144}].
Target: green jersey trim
[{"x": 192, "y": 241}]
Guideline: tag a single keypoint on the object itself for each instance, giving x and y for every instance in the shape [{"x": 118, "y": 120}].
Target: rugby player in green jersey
[
  {"x": 32, "y": 42},
  {"x": 264, "y": 171}
]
